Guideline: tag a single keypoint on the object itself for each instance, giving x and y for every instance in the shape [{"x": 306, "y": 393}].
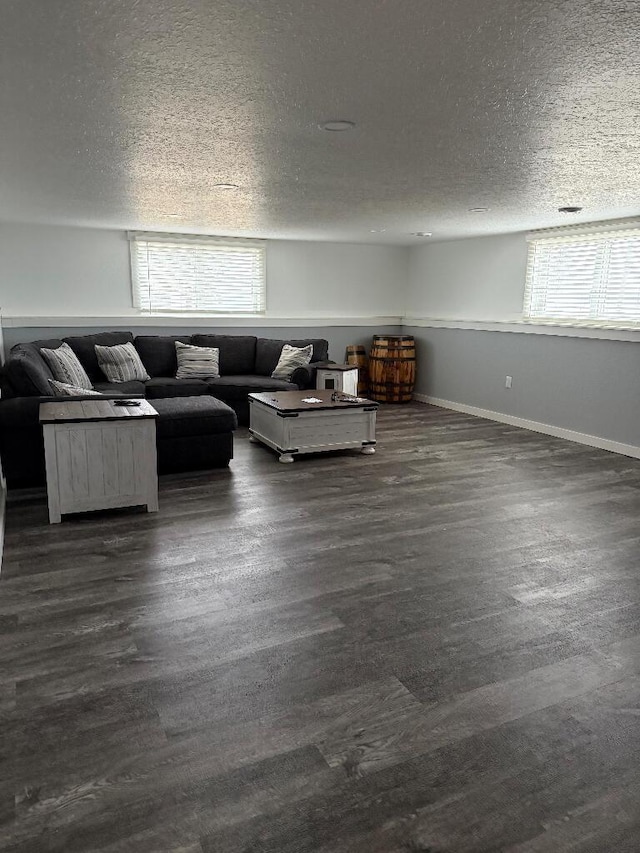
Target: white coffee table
[
  {"x": 99, "y": 455},
  {"x": 285, "y": 422}
]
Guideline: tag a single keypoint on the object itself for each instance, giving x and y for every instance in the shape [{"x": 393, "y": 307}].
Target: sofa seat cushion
[
  {"x": 158, "y": 353},
  {"x": 84, "y": 348},
  {"x": 184, "y": 416},
  {"x": 238, "y": 387},
  {"x": 237, "y": 352},
  {"x": 168, "y": 386},
  {"x": 268, "y": 352},
  {"x": 135, "y": 388}
]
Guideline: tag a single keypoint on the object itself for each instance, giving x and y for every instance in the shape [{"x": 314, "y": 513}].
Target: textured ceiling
[{"x": 121, "y": 113}]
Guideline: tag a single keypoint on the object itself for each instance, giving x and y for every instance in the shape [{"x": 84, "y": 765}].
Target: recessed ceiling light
[
  {"x": 225, "y": 186},
  {"x": 337, "y": 125},
  {"x": 569, "y": 209},
  {"x": 421, "y": 234},
  {"x": 478, "y": 210},
  {"x": 378, "y": 230}
]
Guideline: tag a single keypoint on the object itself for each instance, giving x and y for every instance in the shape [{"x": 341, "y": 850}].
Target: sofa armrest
[
  {"x": 17, "y": 412},
  {"x": 304, "y": 377}
]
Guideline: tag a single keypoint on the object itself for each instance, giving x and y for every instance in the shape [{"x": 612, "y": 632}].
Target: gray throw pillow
[
  {"x": 290, "y": 359},
  {"x": 121, "y": 363},
  {"x": 197, "y": 362},
  {"x": 66, "y": 368}
]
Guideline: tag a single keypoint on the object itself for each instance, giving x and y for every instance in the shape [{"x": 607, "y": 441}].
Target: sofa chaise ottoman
[{"x": 193, "y": 433}]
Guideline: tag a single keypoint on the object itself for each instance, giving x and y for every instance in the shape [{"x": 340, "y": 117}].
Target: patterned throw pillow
[
  {"x": 63, "y": 389},
  {"x": 121, "y": 363},
  {"x": 290, "y": 358},
  {"x": 66, "y": 368},
  {"x": 197, "y": 362}
]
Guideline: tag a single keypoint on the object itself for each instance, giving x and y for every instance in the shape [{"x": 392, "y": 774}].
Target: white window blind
[
  {"x": 584, "y": 277},
  {"x": 204, "y": 275}
]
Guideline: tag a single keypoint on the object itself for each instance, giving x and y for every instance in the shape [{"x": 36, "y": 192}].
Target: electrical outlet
[{"x": 507, "y": 382}]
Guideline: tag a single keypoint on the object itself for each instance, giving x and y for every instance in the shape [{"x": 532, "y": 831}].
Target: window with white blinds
[
  {"x": 584, "y": 277},
  {"x": 204, "y": 275}
]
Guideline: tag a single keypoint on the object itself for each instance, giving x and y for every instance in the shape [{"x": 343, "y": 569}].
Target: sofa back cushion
[
  {"x": 83, "y": 346},
  {"x": 268, "y": 352},
  {"x": 158, "y": 353},
  {"x": 27, "y": 371},
  {"x": 237, "y": 352}
]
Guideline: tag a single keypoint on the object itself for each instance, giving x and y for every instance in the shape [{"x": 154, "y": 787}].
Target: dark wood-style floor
[{"x": 436, "y": 648}]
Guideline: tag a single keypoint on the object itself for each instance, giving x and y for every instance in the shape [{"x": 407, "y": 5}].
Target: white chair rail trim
[
  {"x": 607, "y": 333},
  {"x": 197, "y": 320}
]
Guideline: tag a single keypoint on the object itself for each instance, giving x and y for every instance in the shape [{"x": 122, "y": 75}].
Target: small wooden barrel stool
[{"x": 357, "y": 356}]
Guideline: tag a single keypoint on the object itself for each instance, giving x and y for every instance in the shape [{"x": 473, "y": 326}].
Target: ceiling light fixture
[
  {"x": 337, "y": 125},
  {"x": 225, "y": 186},
  {"x": 378, "y": 230},
  {"x": 571, "y": 208},
  {"x": 478, "y": 210},
  {"x": 422, "y": 234}
]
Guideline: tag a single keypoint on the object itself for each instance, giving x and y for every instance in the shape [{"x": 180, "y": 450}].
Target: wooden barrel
[
  {"x": 392, "y": 368},
  {"x": 357, "y": 355}
]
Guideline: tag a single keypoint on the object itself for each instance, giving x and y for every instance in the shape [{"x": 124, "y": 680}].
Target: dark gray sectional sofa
[{"x": 246, "y": 364}]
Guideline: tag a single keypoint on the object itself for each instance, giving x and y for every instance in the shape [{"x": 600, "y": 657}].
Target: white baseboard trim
[{"x": 535, "y": 426}]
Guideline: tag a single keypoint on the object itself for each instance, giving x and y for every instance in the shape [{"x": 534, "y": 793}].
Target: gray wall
[
  {"x": 476, "y": 279},
  {"x": 338, "y": 336},
  {"x": 587, "y": 385}
]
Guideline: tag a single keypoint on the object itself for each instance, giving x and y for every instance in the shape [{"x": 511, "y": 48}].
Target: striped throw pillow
[
  {"x": 121, "y": 363},
  {"x": 290, "y": 358},
  {"x": 63, "y": 389},
  {"x": 197, "y": 362},
  {"x": 66, "y": 368}
]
